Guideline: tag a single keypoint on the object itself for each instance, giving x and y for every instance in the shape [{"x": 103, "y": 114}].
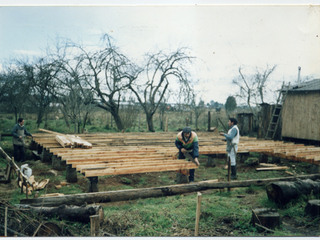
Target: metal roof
[{"x": 313, "y": 85}]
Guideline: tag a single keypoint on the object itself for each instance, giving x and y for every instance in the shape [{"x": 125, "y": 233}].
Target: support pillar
[
  {"x": 45, "y": 156},
  {"x": 182, "y": 178},
  {"x": 71, "y": 174},
  {"x": 57, "y": 164},
  {"x": 92, "y": 185}
]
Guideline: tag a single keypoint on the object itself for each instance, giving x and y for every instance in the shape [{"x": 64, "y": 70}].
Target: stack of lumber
[{"x": 72, "y": 141}]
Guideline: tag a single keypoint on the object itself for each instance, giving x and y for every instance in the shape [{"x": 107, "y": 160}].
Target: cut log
[
  {"x": 65, "y": 212},
  {"x": 313, "y": 207},
  {"x": 272, "y": 168},
  {"x": 268, "y": 165},
  {"x": 265, "y": 217},
  {"x": 283, "y": 192},
  {"x": 123, "y": 195}
]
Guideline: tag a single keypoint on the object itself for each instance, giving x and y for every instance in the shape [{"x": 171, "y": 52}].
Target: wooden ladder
[{"x": 274, "y": 121}]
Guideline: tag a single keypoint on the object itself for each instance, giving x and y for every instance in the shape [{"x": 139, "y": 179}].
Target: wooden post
[
  {"x": 5, "y": 222},
  {"x": 56, "y": 163},
  {"x": 95, "y": 225},
  {"x": 197, "y": 214},
  {"x": 229, "y": 170},
  {"x": 187, "y": 121},
  {"x": 71, "y": 174},
  {"x": 209, "y": 121}
]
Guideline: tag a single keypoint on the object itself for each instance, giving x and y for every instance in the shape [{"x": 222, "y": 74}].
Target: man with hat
[{"x": 187, "y": 142}]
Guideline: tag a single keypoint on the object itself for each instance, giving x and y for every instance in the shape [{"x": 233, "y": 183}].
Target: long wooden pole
[
  {"x": 124, "y": 195},
  {"x": 197, "y": 214},
  {"x": 5, "y": 222}
]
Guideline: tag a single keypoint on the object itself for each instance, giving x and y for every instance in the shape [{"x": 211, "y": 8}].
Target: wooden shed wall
[{"x": 301, "y": 115}]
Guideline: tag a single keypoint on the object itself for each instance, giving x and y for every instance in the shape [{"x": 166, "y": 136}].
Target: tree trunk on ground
[
  {"x": 283, "y": 192},
  {"x": 71, "y": 213},
  {"x": 313, "y": 207},
  {"x": 123, "y": 195},
  {"x": 268, "y": 218}
]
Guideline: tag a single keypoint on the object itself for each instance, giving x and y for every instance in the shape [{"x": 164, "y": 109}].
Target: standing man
[
  {"x": 18, "y": 132},
  {"x": 187, "y": 142},
  {"x": 232, "y": 139}
]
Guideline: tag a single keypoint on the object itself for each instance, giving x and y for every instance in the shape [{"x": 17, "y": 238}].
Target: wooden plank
[
  {"x": 76, "y": 161},
  {"x": 117, "y": 167},
  {"x": 272, "y": 168},
  {"x": 110, "y": 158},
  {"x": 95, "y": 173}
]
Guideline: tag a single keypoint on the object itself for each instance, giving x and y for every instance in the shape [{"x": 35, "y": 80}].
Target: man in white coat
[{"x": 232, "y": 139}]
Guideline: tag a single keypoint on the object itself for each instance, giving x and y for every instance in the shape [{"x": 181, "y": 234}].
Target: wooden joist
[{"x": 119, "y": 171}]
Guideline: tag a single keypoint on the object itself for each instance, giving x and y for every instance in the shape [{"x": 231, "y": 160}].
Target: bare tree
[
  {"x": 161, "y": 70},
  {"x": 109, "y": 74},
  {"x": 40, "y": 76},
  {"x": 252, "y": 88},
  {"x": 198, "y": 109},
  {"x": 15, "y": 90}
]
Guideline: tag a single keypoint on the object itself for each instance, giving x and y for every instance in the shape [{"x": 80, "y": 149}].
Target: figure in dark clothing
[{"x": 19, "y": 132}]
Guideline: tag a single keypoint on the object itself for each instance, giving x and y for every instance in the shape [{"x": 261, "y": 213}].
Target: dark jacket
[{"x": 18, "y": 131}]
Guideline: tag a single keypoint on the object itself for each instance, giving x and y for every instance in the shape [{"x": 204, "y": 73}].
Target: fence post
[
  {"x": 209, "y": 121},
  {"x": 95, "y": 225},
  {"x": 5, "y": 221},
  {"x": 198, "y": 214}
]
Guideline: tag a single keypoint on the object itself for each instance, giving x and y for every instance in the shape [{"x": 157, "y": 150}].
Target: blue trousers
[
  {"x": 191, "y": 171},
  {"x": 18, "y": 153}
]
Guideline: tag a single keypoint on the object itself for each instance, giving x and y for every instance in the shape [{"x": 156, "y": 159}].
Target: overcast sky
[{"x": 223, "y": 38}]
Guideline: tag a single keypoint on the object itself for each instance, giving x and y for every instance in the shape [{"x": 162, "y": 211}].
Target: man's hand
[
  {"x": 197, "y": 162},
  {"x": 183, "y": 150},
  {"x": 221, "y": 133}
]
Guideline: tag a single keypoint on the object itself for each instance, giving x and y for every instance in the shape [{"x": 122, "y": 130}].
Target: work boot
[{"x": 233, "y": 172}]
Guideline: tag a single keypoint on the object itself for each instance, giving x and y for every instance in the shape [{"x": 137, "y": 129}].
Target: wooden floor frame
[{"x": 129, "y": 153}]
